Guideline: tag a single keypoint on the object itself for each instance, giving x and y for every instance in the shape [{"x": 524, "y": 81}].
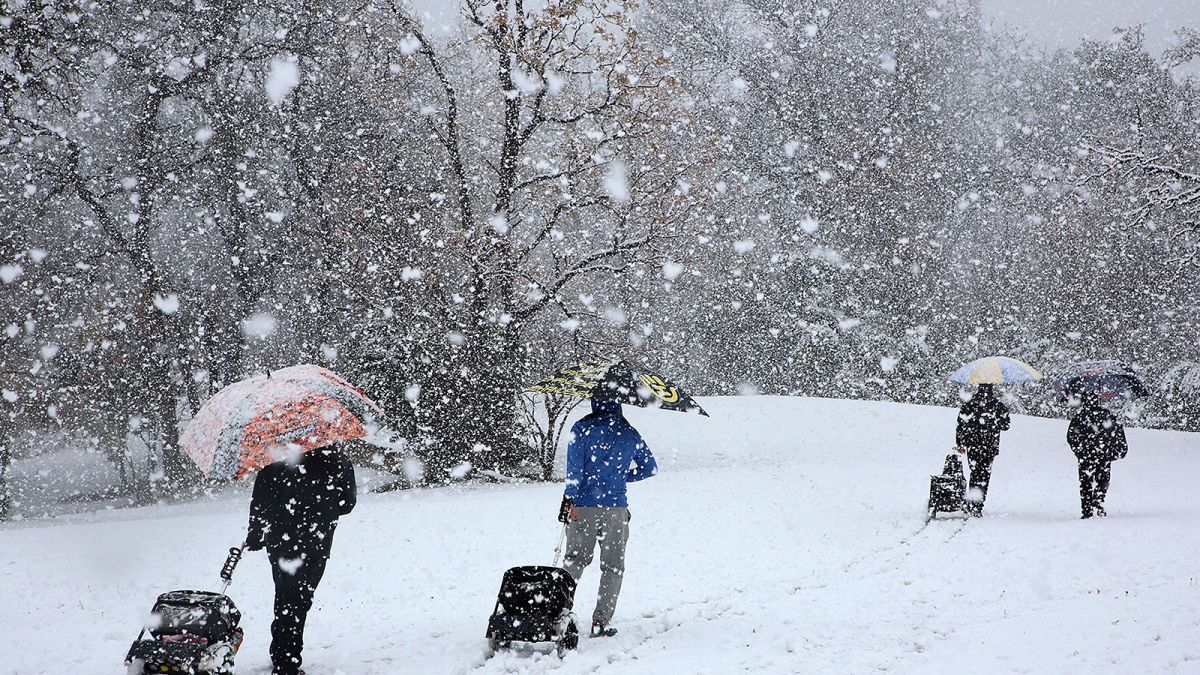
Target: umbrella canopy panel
[
  {"x": 618, "y": 381},
  {"x": 995, "y": 370},
  {"x": 252, "y": 423},
  {"x": 1110, "y": 379}
]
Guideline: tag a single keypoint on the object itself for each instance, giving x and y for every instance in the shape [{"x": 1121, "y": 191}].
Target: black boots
[{"x": 600, "y": 630}]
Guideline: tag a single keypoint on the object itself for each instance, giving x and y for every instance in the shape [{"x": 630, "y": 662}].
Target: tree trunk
[{"x": 5, "y": 499}]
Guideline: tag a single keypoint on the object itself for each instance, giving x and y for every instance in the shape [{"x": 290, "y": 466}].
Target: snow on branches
[{"x": 1157, "y": 187}]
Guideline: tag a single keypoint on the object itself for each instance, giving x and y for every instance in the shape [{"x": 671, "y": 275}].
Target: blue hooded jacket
[{"x": 604, "y": 454}]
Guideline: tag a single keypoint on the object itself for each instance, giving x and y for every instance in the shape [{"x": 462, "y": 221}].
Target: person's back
[
  {"x": 1095, "y": 434},
  {"x": 604, "y": 455},
  {"x": 293, "y": 500},
  {"x": 1097, "y": 440},
  {"x": 980, "y": 421},
  {"x": 293, "y": 514}
]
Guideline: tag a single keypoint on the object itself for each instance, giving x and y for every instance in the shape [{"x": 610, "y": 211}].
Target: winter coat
[
  {"x": 295, "y": 505},
  {"x": 980, "y": 422},
  {"x": 1095, "y": 435},
  {"x": 605, "y": 453}
]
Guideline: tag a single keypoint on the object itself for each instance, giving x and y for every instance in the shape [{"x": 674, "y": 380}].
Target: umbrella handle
[{"x": 231, "y": 563}]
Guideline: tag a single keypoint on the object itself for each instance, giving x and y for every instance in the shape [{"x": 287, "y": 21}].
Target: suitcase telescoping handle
[
  {"x": 562, "y": 539},
  {"x": 231, "y": 563}
]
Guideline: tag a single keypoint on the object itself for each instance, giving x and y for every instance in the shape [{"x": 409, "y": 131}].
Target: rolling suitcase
[
  {"x": 534, "y": 606},
  {"x": 948, "y": 490},
  {"x": 190, "y": 632}
]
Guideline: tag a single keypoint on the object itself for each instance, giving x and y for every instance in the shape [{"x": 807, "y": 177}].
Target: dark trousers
[
  {"x": 981, "y": 475},
  {"x": 296, "y": 571},
  {"x": 1094, "y": 477}
]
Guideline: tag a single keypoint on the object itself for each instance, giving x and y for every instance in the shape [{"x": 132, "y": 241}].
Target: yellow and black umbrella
[{"x": 618, "y": 381}]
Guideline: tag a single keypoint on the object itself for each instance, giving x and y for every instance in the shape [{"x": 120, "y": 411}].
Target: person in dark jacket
[
  {"x": 293, "y": 514},
  {"x": 1097, "y": 440},
  {"x": 980, "y": 421},
  {"x": 604, "y": 455}
]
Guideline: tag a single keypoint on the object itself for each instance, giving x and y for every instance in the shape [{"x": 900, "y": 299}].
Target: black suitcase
[
  {"x": 534, "y": 605},
  {"x": 190, "y": 632},
  {"x": 948, "y": 490}
]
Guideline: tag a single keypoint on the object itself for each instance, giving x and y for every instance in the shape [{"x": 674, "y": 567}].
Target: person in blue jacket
[{"x": 604, "y": 455}]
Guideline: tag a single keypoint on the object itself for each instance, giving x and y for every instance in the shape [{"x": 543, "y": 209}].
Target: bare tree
[
  {"x": 1158, "y": 188},
  {"x": 556, "y": 126},
  {"x": 544, "y": 418}
]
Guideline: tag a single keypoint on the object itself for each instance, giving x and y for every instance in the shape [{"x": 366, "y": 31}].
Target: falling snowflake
[
  {"x": 616, "y": 181},
  {"x": 460, "y": 471},
  {"x": 260, "y": 326},
  {"x": 283, "y": 77},
  {"x": 167, "y": 304}
]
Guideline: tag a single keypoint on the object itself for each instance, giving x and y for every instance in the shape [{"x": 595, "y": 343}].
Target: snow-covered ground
[{"x": 782, "y": 535}]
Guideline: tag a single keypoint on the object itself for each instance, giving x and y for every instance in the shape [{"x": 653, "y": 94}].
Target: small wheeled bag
[
  {"x": 190, "y": 632},
  {"x": 534, "y": 606},
  {"x": 947, "y": 490}
]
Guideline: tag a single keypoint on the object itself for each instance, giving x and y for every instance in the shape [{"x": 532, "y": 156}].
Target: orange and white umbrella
[{"x": 252, "y": 423}]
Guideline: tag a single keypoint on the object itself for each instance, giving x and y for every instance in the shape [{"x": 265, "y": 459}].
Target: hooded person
[
  {"x": 1097, "y": 440},
  {"x": 980, "y": 421},
  {"x": 605, "y": 454},
  {"x": 293, "y": 513}
]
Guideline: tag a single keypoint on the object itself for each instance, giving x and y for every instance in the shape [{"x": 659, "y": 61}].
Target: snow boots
[
  {"x": 534, "y": 605},
  {"x": 947, "y": 491},
  {"x": 191, "y": 632},
  {"x": 600, "y": 630}
]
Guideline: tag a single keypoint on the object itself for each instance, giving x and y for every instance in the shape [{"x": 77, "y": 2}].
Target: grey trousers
[{"x": 608, "y": 526}]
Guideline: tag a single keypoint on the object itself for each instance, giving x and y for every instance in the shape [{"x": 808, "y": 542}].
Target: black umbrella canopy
[
  {"x": 619, "y": 381},
  {"x": 1106, "y": 378}
]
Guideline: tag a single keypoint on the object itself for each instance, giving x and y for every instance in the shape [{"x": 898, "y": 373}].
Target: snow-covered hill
[{"x": 782, "y": 535}]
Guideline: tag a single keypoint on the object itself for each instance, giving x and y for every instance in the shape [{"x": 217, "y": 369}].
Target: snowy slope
[{"x": 782, "y": 535}]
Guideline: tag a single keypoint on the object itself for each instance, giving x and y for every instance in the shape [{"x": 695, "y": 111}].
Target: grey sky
[
  {"x": 1061, "y": 23},
  {"x": 1054, "y": 23}
]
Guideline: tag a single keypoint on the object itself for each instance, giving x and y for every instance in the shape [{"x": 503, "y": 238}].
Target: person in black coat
[
  {"x": 980, "y": 421},
  {"x": 1097, "y": 440},
  {"x": 293, "y": 514}
]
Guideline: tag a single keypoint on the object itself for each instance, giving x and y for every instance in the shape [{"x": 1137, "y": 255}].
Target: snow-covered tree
[{"x": 555, "y": 126}]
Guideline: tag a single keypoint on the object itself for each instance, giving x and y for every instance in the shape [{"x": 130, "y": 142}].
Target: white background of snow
[{"x": 782, "y": 535}]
